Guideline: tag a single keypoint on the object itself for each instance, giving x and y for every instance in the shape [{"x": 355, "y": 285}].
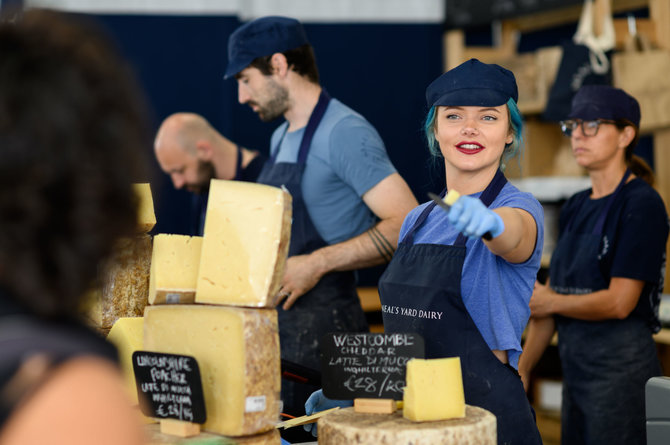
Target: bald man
[{"x": 192, "y": 152}]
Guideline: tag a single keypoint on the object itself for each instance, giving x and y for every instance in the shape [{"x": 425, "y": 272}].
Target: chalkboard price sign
[
  {"x": 170, "y": 386},
  {"x": 367, "y": 365}
]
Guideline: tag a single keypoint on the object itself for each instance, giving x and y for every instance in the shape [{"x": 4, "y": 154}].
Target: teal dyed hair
[{"x": 511, "y": 150}]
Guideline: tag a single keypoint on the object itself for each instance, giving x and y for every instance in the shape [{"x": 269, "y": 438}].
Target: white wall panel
[{"x": 319, "y": 11}]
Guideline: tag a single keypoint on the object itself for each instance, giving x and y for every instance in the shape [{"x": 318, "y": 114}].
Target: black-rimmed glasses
[{"x": 589, "y": 128}]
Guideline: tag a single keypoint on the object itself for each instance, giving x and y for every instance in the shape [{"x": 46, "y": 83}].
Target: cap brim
[
  {"x": 478, "y": 97},
  {"x": 234, "y": 68},
  {"x": 589, "y": 112}
]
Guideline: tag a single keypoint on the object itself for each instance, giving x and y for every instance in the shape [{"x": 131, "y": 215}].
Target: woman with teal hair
[{"x": 475, "y": 265}]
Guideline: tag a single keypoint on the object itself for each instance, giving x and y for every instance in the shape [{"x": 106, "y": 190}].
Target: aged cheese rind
[
  {"x": 345, "y": 426},
  {"x": 124, "y": 283},
  {"x": 175, "y": 263},
  {"x": 237, "y": 351},
  {"x": 146, "y": 217},
  {"x": 434, "y": 389},
  {"x": 155, "y": 437},
  {"x": 245, "y": 245}
]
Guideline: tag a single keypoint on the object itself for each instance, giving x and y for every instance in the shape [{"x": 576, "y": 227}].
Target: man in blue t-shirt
[{"x": 348, "y": 200}]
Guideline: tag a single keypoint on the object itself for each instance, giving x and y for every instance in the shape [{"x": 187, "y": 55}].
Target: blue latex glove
[
  {"x": 473, "y": 219},
  {"x": 318, "y": 402}
]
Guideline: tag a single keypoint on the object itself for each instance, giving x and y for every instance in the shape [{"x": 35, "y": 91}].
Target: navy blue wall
[{"x": 380, "y": 70}]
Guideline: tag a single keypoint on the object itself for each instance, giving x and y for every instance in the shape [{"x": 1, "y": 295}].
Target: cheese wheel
[
  {"x": 245, "y": 244},
  {"x": 345, "y": 426},
  {"x": 175, "y": 262},
  {"x": 237, "y": 350},
  {"x": 125, "y": 284}
]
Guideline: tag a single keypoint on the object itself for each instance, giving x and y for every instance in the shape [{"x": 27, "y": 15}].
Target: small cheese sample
[
  {"x": 146, "y": 218},
  {"x": 127, "y": 335},
  {"x": 434, "y": 389},
  {"x": 452, "y": 197},
  {"x": 246, "y": 239},
  {"x": 346, "y": 426},
  {"x": 237, "y": 350},
  {"x": 174, "y": 268},
  {"x": 124, "y": 280}
]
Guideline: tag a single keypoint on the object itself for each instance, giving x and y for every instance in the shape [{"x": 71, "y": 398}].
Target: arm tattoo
[{"x": 383, "y": 246}]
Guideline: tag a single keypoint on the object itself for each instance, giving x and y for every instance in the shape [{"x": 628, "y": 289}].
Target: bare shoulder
[{"x": 83, "y": 402}]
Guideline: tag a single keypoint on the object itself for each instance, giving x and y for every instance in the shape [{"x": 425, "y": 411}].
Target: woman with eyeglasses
[{"x": 605, "y": 277}]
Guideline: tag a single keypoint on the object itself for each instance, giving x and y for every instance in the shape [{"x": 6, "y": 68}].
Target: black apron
[
  {"x": 605, "y": 363},
  {"x": 333, "y": 304},
  {"x": 426, "y": 278}
]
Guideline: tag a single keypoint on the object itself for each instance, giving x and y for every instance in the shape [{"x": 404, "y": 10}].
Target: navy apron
[
  {"x": 605, "y": 363},
  {"x": 333, "y": 304},
  {"x": 426, "y": 280}
]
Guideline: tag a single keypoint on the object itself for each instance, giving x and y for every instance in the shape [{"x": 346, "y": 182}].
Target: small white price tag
[
  {"x": 254, "y": 404},
  {"x": 172, "y": 298}
]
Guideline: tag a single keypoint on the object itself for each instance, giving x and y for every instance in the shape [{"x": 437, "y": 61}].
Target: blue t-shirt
[
  {"x": 346, "y": 159},
  {"x": 633, "y": 242},
  {"x": 495, "y": 292}
]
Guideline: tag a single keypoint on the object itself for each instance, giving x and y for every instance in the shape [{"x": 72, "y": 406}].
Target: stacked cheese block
[
  {"x": 212, "y": 298},
  {"x": 434, "y": 413},
  {"x": 125, "y": 277}
]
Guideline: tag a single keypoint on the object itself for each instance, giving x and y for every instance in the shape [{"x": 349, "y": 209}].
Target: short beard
[
  {"x": 276, "y": 105},
  {"x": 207, "y": 172}
]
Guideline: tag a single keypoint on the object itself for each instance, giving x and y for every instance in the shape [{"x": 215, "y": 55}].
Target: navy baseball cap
[
  {"x": 473, "y": 83},
  {"x": 604, "y": 102},
  {"x": 262, "y": 37}
]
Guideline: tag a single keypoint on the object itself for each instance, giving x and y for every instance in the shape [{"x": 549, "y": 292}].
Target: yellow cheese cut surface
[
  {"x": 434, "y": 390},
  {"x": 245, "y": 244},
  {"x": 237, "y": 350},
  {"x": 146, "y": 218},
  {"x": 127, "y": 335},
  {"x": 175, "y": 262}
]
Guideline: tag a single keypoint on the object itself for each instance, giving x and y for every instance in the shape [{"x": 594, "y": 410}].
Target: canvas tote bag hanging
[
  {"x": 644, "y": 73},
  {"x": 585, "y": 61}
]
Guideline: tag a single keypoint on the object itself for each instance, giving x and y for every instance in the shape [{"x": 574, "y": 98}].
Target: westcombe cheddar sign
[{"x": 367, "y": 365}]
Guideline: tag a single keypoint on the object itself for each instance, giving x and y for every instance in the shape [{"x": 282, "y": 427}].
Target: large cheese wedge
[
  {"x": 246, "y": 239},
  {"x": 237, "y": 350},
  {"x": 124, "y": 282},
  {"x": 127, "y": 335},
  {"x": 146, "y": 218},
  {"x": 174, "y": 268},
  {"x": 434, "y": 389},
  {"x": 346, "y": 426}
]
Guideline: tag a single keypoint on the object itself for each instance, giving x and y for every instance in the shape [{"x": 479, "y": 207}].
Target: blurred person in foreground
[
  {"x": 71, "y": 132},
  {"x": 605, "y": 277}
]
